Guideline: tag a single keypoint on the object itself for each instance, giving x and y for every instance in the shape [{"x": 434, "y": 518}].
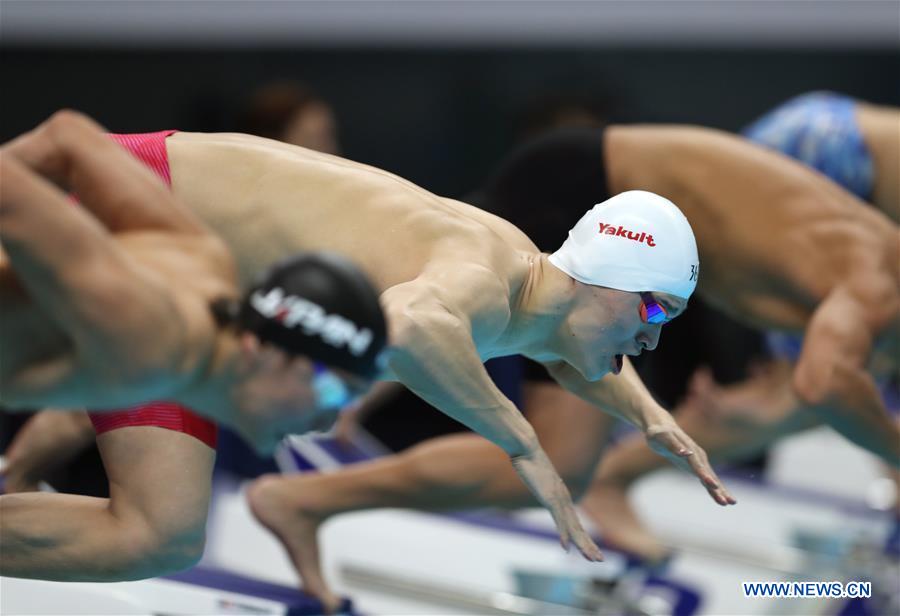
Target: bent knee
[
  {"x": 150, "y": 545},
  {"x": 149, "y": 554},
  {"x": 177, "y": 555}
]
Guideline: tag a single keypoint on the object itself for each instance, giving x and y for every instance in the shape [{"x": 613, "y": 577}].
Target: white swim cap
[{"x": 635, "y": 241}]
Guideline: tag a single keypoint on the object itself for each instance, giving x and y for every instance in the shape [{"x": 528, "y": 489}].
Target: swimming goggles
[
  {"x": 652, "y": 311},
  {"x": 330, "y": 390}
]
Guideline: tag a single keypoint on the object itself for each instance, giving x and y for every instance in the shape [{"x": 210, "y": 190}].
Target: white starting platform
[{"x": 788, "y": 528}]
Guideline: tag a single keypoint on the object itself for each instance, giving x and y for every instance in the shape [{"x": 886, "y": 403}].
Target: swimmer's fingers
[
  {"x": 571, "y": 532},
  {"x": 14, "y": 484},
  {"x": 683, "y": 452},
  {"x": 582, "y": 539},
  {"x": 16, "y": 476},
  {"x": 562, "y": 528},
  {"x": 541, "y": 478},
  {"x": 701, "y": 467}
]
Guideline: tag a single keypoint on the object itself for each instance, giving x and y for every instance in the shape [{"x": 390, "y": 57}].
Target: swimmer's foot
[
  {"x": 608, "y": 507},
  {"x": 279, "y": 505}
]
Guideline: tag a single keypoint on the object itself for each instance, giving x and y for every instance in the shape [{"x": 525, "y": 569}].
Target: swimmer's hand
[
  {"x": 45, "y": 443},
  {"x": 538, "y": 473},
  {"x": 666, "y": 438}
]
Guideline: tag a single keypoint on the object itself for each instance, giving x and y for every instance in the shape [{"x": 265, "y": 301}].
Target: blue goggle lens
[{"x": 329, "y": 388}]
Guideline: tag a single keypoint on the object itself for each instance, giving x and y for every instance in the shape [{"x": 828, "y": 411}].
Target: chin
[{"x": 595, "y": 374}]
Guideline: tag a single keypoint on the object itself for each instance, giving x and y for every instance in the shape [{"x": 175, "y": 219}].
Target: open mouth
[{"x": 616, "y": 364}]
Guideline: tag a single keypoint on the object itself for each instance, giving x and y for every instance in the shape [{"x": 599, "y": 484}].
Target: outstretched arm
[
  {"x": 831, "y": 375},
  {"x": 435, "y": 356},
  {"x": 625, "y": 396},
  {"x": 75, "y": 153}
]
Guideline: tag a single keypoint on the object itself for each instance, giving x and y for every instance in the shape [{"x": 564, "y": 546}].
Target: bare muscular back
[
  {"x": 774, "y": 238},
  {"x": 268, "y": 200}
]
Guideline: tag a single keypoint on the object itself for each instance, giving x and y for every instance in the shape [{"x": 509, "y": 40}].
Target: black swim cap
[{"x": 319, "y": 305}]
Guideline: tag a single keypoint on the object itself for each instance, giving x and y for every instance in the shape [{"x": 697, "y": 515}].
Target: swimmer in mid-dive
[
  {"x": 458, "y": 286},
  {"x": 116, "y": 325},
  {"x": 783, "y": 248},
  {"x": 857, "y": 146},
  {"x": 159, "y": 455}
]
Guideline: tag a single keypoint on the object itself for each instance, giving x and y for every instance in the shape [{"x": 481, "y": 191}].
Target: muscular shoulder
[{"x": 468, "y": 293}]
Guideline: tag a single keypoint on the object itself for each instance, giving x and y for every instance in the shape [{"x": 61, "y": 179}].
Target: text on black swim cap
[
  {"x": 293, "y": 311},
  {"x": 321, "y": 306}
]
